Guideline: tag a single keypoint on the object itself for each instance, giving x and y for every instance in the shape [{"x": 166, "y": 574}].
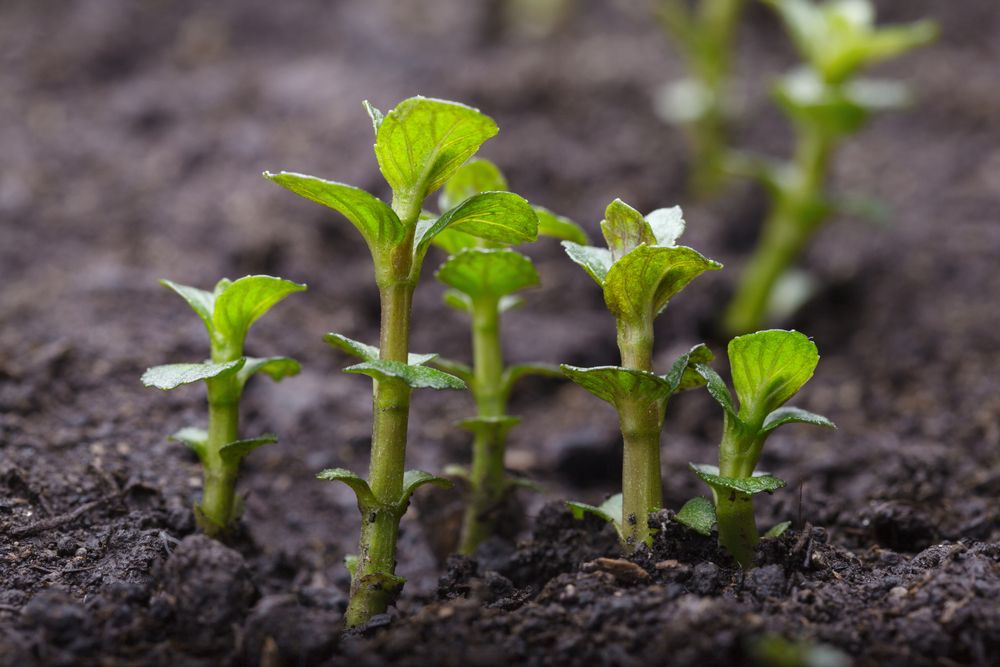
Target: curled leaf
[
  {"x": 201, "y": 302},
  {"x": 769, "y": 367},
  {"x": 414, "y": 479},
  {"x": 276, "y": 368},
  {"x": 500, "y": 217},
  {"x": 234, "y": 452},
  {"x": 367, "y": 352},
  {"x": 614, "y": 384},
  {"x": 790, "y": 415},
  {"x": 415, "y": 377},
  {"x": 475, "y": 176},
  {"x": 366, "y": 499},
  {"x": 196, "y": 439},
  {"x": 243, "y": 301}
]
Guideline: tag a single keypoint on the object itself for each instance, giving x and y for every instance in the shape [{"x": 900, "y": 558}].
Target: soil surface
[{"x": 133, "y": 137}]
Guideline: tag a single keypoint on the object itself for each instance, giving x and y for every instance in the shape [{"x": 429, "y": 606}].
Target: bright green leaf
[
  {"x": 245, "y": 300},
  {"x": 374, "y": 114},
  {"x": 201, "y": 302},
  {"x": 366, "y": 499},
  {"x": 488, "y": 273},
  {"x": 625, "y": 229},
  {"x": 456, "y": 368},
  {"x": 612, "y": 384},
  {"x": 501, "y": 217},
  {"x": 457, "y": 300},
  {"x": 761, "y": 482},
  {"x": 370, "y": 352},
  {"x": 414, "y": 479},
  {"x": 595, "y": 261},
  {"x": 234, "y": 452},
  {"x": 415, "y": 377},
  {"x": 641, "y": 283},
  {"x": 610, "y": 510},
  {"x": 559, "y": 227},
  {"x": 475, "y": 176},
  {"x": 717, "y": 388},
  {"x": 453, "y": 241},
  {"x": 196, "y": 439},
  {"x": 171, "y": 376},
  {"x": 789, "y": 415},
  {"x": 778, "y": 529},
  {"x": 515, "y": 372},
  {"x": 276, "y": 368},
  {"x": 768, "y": 368},
  {"x": 683, "y": 374},
  {"x": 698, "y": 514}
]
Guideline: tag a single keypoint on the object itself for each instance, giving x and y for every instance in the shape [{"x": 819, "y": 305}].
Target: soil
[{"x": 133, "y": 136}]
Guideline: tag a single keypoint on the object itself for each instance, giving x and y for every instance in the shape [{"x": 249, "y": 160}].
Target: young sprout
[
  {"x": 768, "y": 368},
  {"x": 639, "y": 272},
  {"x": 227, "y": 311},
  {"x": 701, "y": 103},
  {"x": 483, "y": 278},
  {"x": 419, "y": 145},
  {"x": 825, "y": 101}
]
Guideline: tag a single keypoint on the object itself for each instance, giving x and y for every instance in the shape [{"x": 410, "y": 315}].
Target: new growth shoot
[
  {"x": 227, "y": 312},
  {"x": 419, "y": 145},
  {"x": 825, "y": 101},
  {"x": 639, "y": 272}
]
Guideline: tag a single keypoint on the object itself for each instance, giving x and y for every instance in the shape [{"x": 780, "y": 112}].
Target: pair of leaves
[
  {"x": 367, "y": 502},
  {"x": 414, "y": 374},
  {"x": 231, "y": 453},
  {"x": 171, "y": 376},
  {"x": 698, "y": 514}
]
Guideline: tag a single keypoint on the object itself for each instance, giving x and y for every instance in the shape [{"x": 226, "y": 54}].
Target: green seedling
[
  {"x": 639, "y": 272},
  {"x": 419, "y": 146},
  {"x": 768, "y": 368},
  {"x": 483, "y": 278},
  {"x": 227, "y": 312},
  {"x": 825, "y": 100},
  {"x": 701, "y": 104}
]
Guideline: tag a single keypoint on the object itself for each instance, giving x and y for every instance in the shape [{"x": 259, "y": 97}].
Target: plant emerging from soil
[
  {"x": 639, "y": 272},
  {"x": 768, "y": 368},
  {"x": 227, "y": 312},
  {"x": 483, "y": 277},
  {"x": 701, "y": 104},
  {"x": 419, "y": 145},
  {"x": 825, "y": 101}
]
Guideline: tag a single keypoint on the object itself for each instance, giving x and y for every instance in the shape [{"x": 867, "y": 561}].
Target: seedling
[
  {"x": 703, "y": 33},
  {"x": 768, "y": 368},
  {"x": 227, "y": 312},
  {"x": 419, "y": 145},
  {"x": 639, "y": 272},
  {"x": 483, "y": 278},
  {"x": 825, "y": 102}
]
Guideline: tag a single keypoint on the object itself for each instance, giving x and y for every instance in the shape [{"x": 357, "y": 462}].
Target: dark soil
[{"x": 133, "y": 135}]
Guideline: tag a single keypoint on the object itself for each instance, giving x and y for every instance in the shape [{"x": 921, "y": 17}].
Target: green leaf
[
  {"x": 234, "y": 452},
  {"x": 501, "y": 217},
  {"x": 625, "y": 229},
  {"x": 760, "y": 482},
  {"x": 378, "y": 224},
  {"x": 366, "y": 499},
  {"x": 171, "y": 376},
  {"x": 475, "y": 176},
  {"x": 245, "y": 300},
  {"x": 768, "y": 368},
  {"x": 276, "y": 368},
  {"x": 496, "y": 427},
  {"x": 515, "y": 372},
  {"x": 612, "y": 384},
  {"x": 422, "y": 142},
  {"x": 641, "y": 283},
  {"x": 374, "y": 114},
  {"x": 789, "y": 415},
  {"x": 416, "y": 377},
  {"x": 196, "y": 439},
  {"x": 778, "y": 529},
  {"x": 559, "y": 227},
  {"x": 698, "y": 514},
  {"x": 370, "y": 352},
  {"x": 456, "y": 368},
  {"x": 610, "y": 510},
  {"x": 683, "y": 374},
  {"x": 201, "y": 302},
  {"x": 510, "y": 302},
  {"x": 453, "y": 241},
  {"x": 595, "y": 261},
  {"x": 667, "y": 225},
  {"x": 717, "y": 388},
  {"x": 457, "y": 300},
  {"x": 488, "y": 274},
  {"x": 414, "y": 479}
]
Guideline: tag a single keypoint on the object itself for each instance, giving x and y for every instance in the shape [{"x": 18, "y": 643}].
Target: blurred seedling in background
[
  {"x": 639, "y": 272},
  {"x": 825, "y": 100},
  {"x": 419, "y": 146},
  {"x": 228, "y": 312}
]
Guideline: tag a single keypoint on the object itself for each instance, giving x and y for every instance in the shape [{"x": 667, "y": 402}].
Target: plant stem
[
  {"x": 734, "y": 510},
  {"x": 218, "y": 508},
  {"x": 641, "y": 423},
  {"x": 487, "y": 478}
]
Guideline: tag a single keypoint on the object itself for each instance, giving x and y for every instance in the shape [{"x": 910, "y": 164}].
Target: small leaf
[
  {"x": 640, "y": 284},
  {"x": 612, "y": 384},
  {"x": 422, "y": 142},
  {"x": 234, "y": 452},
  {"x": 195, "y": 439},
  {"x": 351, "y": 563},
  {"x": 171, "y": 376},
  {"x": 414, "y": 479},
  {"x": 475, "y": 176},
  {"x": 698, "y": 514},
  {"x": 625, "y": 229},
  {"x": 366, "y": 499},
  {"x": 610, "y": 510},
  {"x": 370, "y": 352},
  {"x": 201, "y": 302},
  {"x": 789, "y": 415},
  {"x": 769, "y": 367},
  {"x": 276, "y": 368},
  {"x": 496, "y": 427},
  {"x": 595, "y": 261},
  {"x": 717, "y": 388},
  {"x": 456, "y": 368},
  {"x": 683, "y": 374},
  {"x": 761, "y": 482},
  {"x": 245, "y": 300},
  {"x": 517, "y": 371},
  {"x": 501, "y": 217},
  {"x": 416, "y": 377},
  {"x": 374, "y": 114},
  {"x": 778, "y": 529},
  {"x": 488, "y": 273},
  {"x": 559, "y": 227},
  {"x": 667, "y": 225},
  {"x": 458, "y": 300},
  {"x": 509, "y": 302},
  {"x": 453, "y": 241}
]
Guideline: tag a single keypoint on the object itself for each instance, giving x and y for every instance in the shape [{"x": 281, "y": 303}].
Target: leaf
[
  {"x": 789, "y": 415},
  {"x": 366, "y": 499},
  {"x": 559, "y": 227},
  {"x": 641, "y": 283},
  {"x": 234, "y": 452},
  {"x": 698, "y": 514},
  {"x": 370, "y": 352},
  {"x": 488, "y": 274},
  {"x": 768, "y": 368},
  {"x": 415, "y": 377},
  {"x": 778, "y": 529},
  {"x": 374, "y": 114},
  {"x": 245, "y": 300},
  {"x": 501, "y": 217},
  {"x": 760, "y": 482},
  {"x": 515, "y": 372},
  {"x": 422, "y": 142},
  {"x": 456, "y": 368},
  {"x": 475, "y": 176},
  {"x": 201, "y": 302},
  {"x": 610, "y": 510},
  {"x": 612, "y": 384},
  {"x": 509, "y": 302},
  {"x": 196, "y": 439},
  {"x": 171, "y": 376},
  {"x": 683, "y": 374},
  {"x": 496, "y": 427},
  {"x": 625, "y": 229},
  {"x": 717, "y": 388},
  {"x": 379, "y": 225},
  {"x": 457, "y": 300},
  {"x": 667, "y": 225},
  {"x": 453, "y": 241},
  {"x": 414, "y": 479},
  {"x": 276, "y": 368},
  {"x": 595, "y": 261}
]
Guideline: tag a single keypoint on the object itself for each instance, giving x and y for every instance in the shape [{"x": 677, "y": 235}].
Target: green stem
[
  {"x": 738, "y": 456},
  {"x": 218, "y": 508}
]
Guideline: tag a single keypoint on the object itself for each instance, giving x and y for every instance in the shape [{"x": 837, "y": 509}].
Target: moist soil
[{"x": 133, "y": 137}]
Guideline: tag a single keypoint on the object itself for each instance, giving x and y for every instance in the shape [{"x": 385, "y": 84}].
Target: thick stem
[
  {"x": 737, "y": 525},
  {"x": 218, "y": 506}
]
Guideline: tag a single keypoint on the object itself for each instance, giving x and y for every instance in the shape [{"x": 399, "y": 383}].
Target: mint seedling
[
  {"x": 227, "y": 312},
  {"x": 639, "y": 272},
  {"x": 483, "y": 278},
  {"x": 419, "y": 146},
  {"x": 768, "y": 368},
  {"x": 825, "y": 101}
]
